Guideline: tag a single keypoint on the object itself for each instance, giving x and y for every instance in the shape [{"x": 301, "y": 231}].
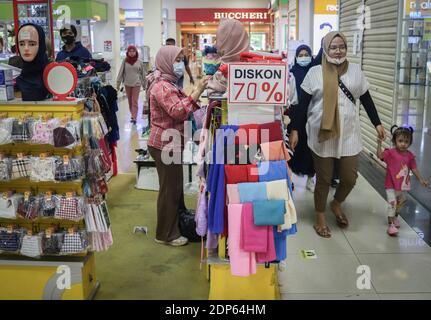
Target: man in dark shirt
[
  {"x": 180, "y": 82},
  {"x": 71, "y": 48}
]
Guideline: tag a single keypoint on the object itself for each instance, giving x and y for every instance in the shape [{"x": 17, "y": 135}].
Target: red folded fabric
[
  {"x": 238, "y": 173},
  {"x": 275, "y": 132},
  {"x": 253, "y": 238},
  {"x": 270, "y": 254},
  {"x": 248, "y": 134}
]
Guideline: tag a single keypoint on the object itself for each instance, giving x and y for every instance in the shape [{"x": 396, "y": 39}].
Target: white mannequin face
[{"x": 28, "y": 41}]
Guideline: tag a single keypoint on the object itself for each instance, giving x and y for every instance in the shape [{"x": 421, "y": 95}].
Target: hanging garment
[
  {"x": 9, "y": 241},
  {"x": 253, "y": 238},
  {"x": 232, "y": 194},
  {"x": 270, "y": 254},
  {"x": 52, "y": 244},
  {"x": 273, "y": 128},
  {"x": 9, "y": 205},
  {"x": 31, "y": 246},
  {"x": 21, "y": 168},
  {"x": 72, "y": 243},
  {"x": 69, "y": 209},
  {"x": 248, "y": 134},
  {"x": 212, "y": 240},
  {"x": 6, "y": 130},
  {"x": 251, "y": 191},
  {"x": 48, "y": 206},
  {"x": 29, "y": 208},
  {"x": 44, "y": 131},
  {"x": 241, "y": 173},
  {"x": 280, "y": 244},
  {"x": 42, "y": 169},
  {"x": 276, "y": 150},
  {"x": 272, "y": 170},
  {"x": 202, "y": 214},
  {"x": 20, "y": 131},
  {"x": 268, "y": 212},
  {"x": 5, "y": 169},
  {"x": 62, "y": 137},
  {"x": 242, "y": 263},
  {"x": 278, "y": 190},
  {"x": 216, "y": 180}
]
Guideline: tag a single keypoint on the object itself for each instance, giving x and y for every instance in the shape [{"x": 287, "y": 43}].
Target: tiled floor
[{"x": 399, "y": 267}]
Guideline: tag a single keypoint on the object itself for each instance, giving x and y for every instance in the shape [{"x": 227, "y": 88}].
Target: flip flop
[
  {"x": 341, "y": 219},
  {"x": 324, "y": 232}
]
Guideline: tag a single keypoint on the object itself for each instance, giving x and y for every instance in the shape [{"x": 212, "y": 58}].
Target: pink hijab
[
  {"x": 232, "y": 40},
  {"x": 165, "y": 60}
]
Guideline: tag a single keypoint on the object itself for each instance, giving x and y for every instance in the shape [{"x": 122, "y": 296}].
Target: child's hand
[{"x": 425, "y": 183}]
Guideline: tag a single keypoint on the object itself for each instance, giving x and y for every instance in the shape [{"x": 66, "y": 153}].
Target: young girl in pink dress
[{"x": 399, "y": 162}]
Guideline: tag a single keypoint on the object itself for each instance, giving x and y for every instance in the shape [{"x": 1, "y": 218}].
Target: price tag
[
  {"x": 48, "y": 233},
  {"x": 48, "y": 196},
  {"x": 43, "y": 156},
  {"x": 5, "y": 195},
  {"x": 71, "y": 230},
  {"x": 258, "y": 83},
  {"x": 20, "y": 156},
  {"x": 69, "y": 195},
  {"x": 66, "y": 159},
  {"x": 9, "y": 228},
  {"x": 29, "y": 233},
  {"x": 27, "y": 195}
]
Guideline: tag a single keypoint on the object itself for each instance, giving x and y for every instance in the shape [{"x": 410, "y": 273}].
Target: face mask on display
[
  {"x": 336, "y": 61},
  {"x": 179, "y": 69},
  {"x": 303, "y": 61},
  {"x": 68, "y": 39}
]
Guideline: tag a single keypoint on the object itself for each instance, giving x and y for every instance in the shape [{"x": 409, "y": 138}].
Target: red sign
[{"x": 215, "y": 14}]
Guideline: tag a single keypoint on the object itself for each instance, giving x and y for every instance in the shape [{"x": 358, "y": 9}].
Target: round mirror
[{"x": 60, "y": 79}]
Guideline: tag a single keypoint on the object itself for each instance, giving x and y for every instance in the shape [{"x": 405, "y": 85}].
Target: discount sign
[{"x": 257, "y": 83}]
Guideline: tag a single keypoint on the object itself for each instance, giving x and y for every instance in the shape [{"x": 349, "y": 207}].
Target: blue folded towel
[
  {"x": 251, "y": 191},
  {"x": 272, "y": 170},
  {"x": 268, "y": 212}
]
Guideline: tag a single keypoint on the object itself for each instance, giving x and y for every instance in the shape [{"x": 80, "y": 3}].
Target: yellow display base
[
  {"x": 260, "y": 286},
  {"x": 32, "y": 279}
]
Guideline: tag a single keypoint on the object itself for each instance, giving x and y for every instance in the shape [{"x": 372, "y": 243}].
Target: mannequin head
[{"x": 28, "y": 42}]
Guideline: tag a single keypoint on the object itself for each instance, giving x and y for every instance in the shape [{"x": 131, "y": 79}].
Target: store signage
[
  {"x": 215, "y": 14},
  {"x": 418, "y": 11},
  {"x": 257, "y": 83},
  {"x": 325, "y": 7}
]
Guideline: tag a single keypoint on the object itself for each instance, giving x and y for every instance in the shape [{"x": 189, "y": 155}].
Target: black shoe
[{"x": 334, "y": 183}]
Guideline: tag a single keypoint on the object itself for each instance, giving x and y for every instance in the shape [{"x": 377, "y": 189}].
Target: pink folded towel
[
  {"x": 242, "y": 263},
  {"x": 232, "y": 194},
  {"x": 253, "y": 238},
  {"x": 270, "y": 254},
  {"x": 275, "y": 150}
]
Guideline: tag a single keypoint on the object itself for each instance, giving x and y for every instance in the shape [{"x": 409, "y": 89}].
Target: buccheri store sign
[{"x": 216, "y": 14}]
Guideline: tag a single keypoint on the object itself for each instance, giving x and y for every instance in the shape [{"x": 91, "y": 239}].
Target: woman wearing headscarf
[
  {"x": 332, "y": 122},
  {"x": 32, "y": 49},
  {"x": 231, "y": 41},
  {"x": 302, "y": 160},
  {"x": 170, "y": 107},
  {"x": 132, "y": 73}
]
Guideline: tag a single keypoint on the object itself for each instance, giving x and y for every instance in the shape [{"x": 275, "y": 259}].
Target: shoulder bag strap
[{"x": 346, "y": 91}]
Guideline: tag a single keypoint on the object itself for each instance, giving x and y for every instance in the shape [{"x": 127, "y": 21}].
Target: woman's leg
[
  {"x": 135, "y": 101},
  {"x": 348, "y": 172},
  {"x": 324, "y": 168},
  {"x": 129, "y": 93},
  {"x": 171, "y": 185}
]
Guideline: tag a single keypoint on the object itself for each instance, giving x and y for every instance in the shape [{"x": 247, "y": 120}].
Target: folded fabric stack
[{"x": 251, "y": 202}]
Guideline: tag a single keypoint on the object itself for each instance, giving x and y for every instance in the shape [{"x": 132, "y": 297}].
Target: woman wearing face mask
[
  {"x": 302, "y": 160},
  {"x": 132, "y": 73},
  {"x": 333, "y": 125},
  {"x": 169, "y": 108},
  {"x": 32, "y": 49}
]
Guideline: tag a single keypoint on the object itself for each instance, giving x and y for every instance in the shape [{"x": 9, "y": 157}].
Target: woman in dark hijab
[
  {"x": 302, "y": 160},
  {"x": 32, "y": 49}
]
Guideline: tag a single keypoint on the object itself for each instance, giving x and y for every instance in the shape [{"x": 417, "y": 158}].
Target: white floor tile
[
  {"x": 399, "y": 273},
  {"x": 330, "y": 296},
  {"x": 326, "y": 274},
  {"x": 405, "y": 296}
]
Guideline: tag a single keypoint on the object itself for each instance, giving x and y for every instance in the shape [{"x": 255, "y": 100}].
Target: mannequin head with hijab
[{"x": 32, "y": 49}]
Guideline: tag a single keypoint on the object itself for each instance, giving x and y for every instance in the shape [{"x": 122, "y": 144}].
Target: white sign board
[{"x": 257, "y": 84}]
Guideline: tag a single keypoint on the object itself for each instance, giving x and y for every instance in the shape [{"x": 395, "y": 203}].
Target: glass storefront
[{"x": 414, "y": 85}]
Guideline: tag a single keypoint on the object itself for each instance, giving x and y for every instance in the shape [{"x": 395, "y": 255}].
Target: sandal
[
  {"x": 341, "y": 218},
  {"x": 323, "y": 231}
]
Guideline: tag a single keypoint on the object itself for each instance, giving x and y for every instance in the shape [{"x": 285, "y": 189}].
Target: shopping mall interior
[{"x": 392, "y": 45}]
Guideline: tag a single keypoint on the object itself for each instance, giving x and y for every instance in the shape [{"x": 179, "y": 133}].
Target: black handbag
[{"x": 187, "y": 225}]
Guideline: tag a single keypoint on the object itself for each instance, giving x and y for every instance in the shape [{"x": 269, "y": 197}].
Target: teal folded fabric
[
  {"x": 268, "y": 212},
  {"x": 250, "y": 191}
]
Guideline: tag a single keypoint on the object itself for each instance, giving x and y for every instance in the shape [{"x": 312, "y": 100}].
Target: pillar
[{"x": 153, "y": 26}]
